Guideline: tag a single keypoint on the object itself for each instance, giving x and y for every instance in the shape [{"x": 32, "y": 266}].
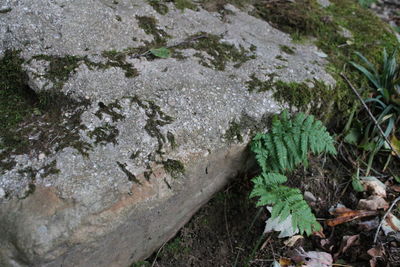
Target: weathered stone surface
[{"x": 155, "y": 139}]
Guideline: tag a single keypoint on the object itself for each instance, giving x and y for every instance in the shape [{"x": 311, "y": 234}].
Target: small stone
[
  {"x": 2, "y": 193},
  {"x": 308, "y": 196},
  {"x": 41, "y": 156}
]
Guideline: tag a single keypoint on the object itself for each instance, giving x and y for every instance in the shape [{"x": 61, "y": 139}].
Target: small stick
[
  {"x": 370, "y": 114},
  {"x": 384, "y": 217},
  {"x": 158, "y": 252}
]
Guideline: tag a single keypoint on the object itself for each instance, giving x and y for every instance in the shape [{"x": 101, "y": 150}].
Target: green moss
[
  {"x": 31, "y": 173},
  {"x": 33, "y": 123},
  {"x": 149, "y": 25},
  {"x": 5, "y": 10},
  {"x": 104, "y": 134},
  {"x": 118, "y": 60},
  {"x": 171, "y": 139},
  {"x": 111, "y": 109},
  {"x": 257, "y": 85},
  {"x": 159, "y": 6},
  {"x": 174, "y": 167},
  {"x": 233, "y": 133},
  {"x": 50, "y": 169},
  {"x": 218, "y": 5},
  {"x": 182, "y": 4},
  {"x": 130, "y": 175},
  {"x": 221, "y": 53},
  {"x": 245, "y": 122},
  {"x": 319, "y": 98},
  {"x": 155, "y": 119},
  {"x": 60, "y": 68},
  {"x": 281, "y": 58},
  {"x": 288, "y": 50},
  {"x": 305, "y": 18},
  {"x": 135, "y": 154},
  {"x": 15, "y": 100}
]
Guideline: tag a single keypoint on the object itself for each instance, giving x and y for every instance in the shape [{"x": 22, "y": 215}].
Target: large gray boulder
[{"x": 136, "y": 143}]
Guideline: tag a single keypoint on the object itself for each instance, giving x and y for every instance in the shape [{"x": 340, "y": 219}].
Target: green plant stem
[{"x": 370, "y": 114}]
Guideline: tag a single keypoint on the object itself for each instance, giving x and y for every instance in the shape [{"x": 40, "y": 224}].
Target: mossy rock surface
[{"x": 115, "y": 142}]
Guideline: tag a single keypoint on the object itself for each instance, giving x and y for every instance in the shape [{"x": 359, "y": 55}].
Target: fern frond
[
  {"x": 283, "y": 149},
  {"x": 289, "y": 141}
]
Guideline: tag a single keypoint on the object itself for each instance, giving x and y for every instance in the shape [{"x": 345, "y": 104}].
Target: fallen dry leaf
[
  {"x": 338, "y": 210},
  {"x": 373, "y": 203},
  {"x": 347, "y": 241},
  {"x": 312, "y": 258},
  {"x": 395, "y": 188},
  {"x": 285, "y": 262},
  {"x": 393, "y": 222},
  {"x": 374, "y": 186},
  {"x": 375, "y": 253},
  {"x": 292, "y": 241},
  {"x": 346, "y": 215}
]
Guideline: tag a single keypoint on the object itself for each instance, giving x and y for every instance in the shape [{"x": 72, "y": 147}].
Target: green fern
[
  {"x": 287, "y": 144},
  {"x": 284, "y": 148}
]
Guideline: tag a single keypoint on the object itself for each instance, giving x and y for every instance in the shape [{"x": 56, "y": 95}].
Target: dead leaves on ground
[{"x": 301, "y": 258}]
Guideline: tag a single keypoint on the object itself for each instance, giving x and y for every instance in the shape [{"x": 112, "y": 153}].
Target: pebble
[
  {"x": 41, "y": 156},
  {"x": 308, "y": 196}
]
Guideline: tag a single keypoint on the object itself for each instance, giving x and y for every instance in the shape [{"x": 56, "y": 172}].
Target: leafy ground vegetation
[{"x": 353, "y": 194}]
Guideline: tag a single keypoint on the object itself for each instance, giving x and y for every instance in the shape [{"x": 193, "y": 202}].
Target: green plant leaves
[
  {"x": 282, "y": 149},
  {"x": 161, "y": 52}
]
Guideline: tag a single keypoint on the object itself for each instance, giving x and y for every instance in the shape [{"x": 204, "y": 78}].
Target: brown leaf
[
  {"x": 373, "y": 203},
  {"x": 376, "y": 251},
  {"x": 339, "y": 210},
  {"x": 374, "y": 186},
  {"x": 312, "y": 258},
  {"x": 285, "y": 262},
  {"x": 393, "y": 222},
  {"x": 395, "y": 188},
  {"x": 347, "y": 241},
  {"x": 346, "y": 215}
]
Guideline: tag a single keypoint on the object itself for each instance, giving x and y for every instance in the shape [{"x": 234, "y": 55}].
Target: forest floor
[{"x": 228, "y": 231}]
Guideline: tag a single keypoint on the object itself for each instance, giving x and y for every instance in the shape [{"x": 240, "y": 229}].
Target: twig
[
  {"x": 384, "y": 217},
  {"x": 158, "y": 252},
  {"x": 370, "y": 114}
]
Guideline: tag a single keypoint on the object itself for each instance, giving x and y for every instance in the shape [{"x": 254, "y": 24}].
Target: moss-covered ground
[{"x": 305, "y": 19}]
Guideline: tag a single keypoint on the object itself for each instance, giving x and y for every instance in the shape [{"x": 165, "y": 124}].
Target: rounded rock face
[{"x": 131, "y": 141}]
